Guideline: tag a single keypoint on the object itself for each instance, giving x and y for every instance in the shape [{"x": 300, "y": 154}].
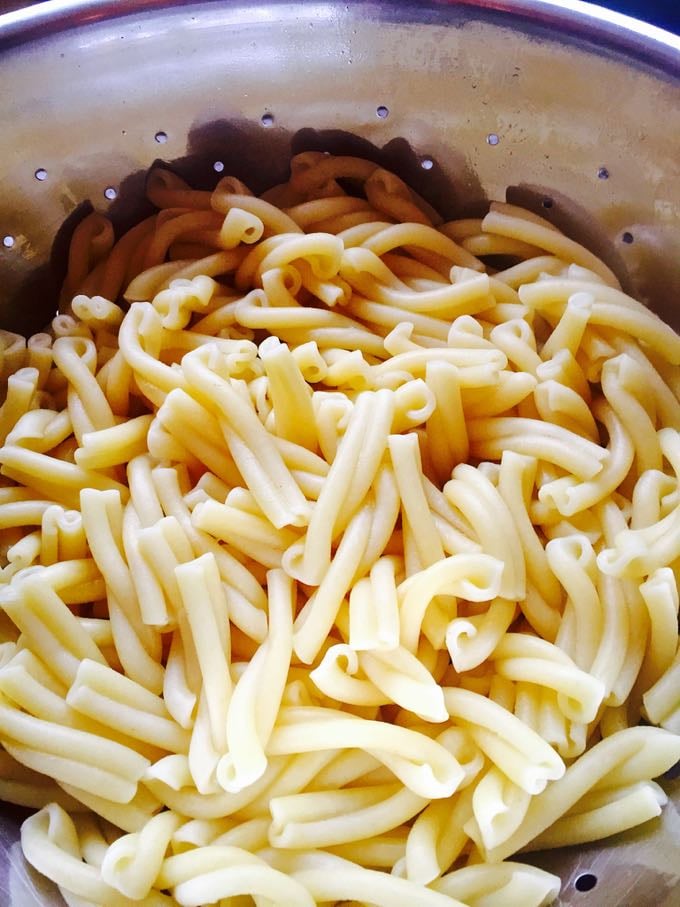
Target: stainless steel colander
[{"x": 562, "y": 106}]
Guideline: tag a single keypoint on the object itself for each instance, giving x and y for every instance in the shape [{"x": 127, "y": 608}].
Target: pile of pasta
[{"x": 340, "y": 552}]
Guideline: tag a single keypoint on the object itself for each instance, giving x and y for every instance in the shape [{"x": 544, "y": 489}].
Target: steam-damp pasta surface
[{"x": 340, "y": 551}]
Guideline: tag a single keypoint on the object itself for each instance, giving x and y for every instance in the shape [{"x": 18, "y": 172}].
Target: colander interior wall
[
  {"x": 570, "y": 113},
  {"x": 494, "y": 99}
]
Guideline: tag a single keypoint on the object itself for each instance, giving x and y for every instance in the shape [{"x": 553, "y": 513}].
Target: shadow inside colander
[
  {"x": 649, "y": 271},
  {"x": 574, "y": 221},
  {"x": 237, "y": 148}
]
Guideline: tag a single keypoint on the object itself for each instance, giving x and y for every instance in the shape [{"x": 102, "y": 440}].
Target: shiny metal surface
[{"x": 585, "y": 105}]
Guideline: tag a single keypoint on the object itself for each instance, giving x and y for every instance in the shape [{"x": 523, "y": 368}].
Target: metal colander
[{"x": 561, "y": 106}]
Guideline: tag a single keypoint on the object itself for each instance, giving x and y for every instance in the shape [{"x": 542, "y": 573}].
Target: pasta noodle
[{"x": 337, "y": 566}]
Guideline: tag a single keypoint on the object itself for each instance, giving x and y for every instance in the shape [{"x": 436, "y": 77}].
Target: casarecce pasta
[{"x": 339, "y": 558}]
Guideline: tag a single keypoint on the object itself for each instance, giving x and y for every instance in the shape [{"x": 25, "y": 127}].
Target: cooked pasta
[{"x": 337, "y": 565}]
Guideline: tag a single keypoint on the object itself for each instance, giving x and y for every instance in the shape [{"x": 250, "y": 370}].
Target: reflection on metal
[{"x": 94, "y": 90}]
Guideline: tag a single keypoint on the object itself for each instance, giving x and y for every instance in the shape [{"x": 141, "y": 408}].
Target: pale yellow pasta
[
  {"x": 76, "y": 580},
  {"x": 654, "y": 387},
  {"x": 27, "y": 684},
  {"x": 661, "y": 701},
  {"x": 572, "y": 561},
  {"x": 437, "y": 837},
  {"x": 471, "y": 640},
  {"x": 126, "y": 707},
  {"x": 257, "y": 696},
  {"x": 301, "y": 770},
  {"x": 446, "y": 301},
  {"x": 65, "y": 326},
  {"x": 246, "y": 598},
  {"x": 623, "y": 809},
  {"x": 59, "y": 480},
  {"x": 660, "y": 595},
  {"x": 319, "y": 613},
  {"x": 472, "y": 576},
  {"x": 610, "y": 658},
  {"x": 137, "y": 646},
  {"x": 569, "y": 495},
  {"x": 203, "y": 755},
  {"x": 103, "y": 523},
  {"x": 140, "y": 340},
  {"x": 335, "y": 678},
  {"x": 500, "y": 885},
  {"x": 425, "y": 766},
  {"x": 72, "y": 755},
  {"x": 291, "y": 400},
  {"x": 62, "y": 536},
  {"x": 41, "y": 430},
  {"x": 21, "y": 390},
  {"x": 613, "y": 522},
  {"x": 179, "y": 682},
  {"x": 112, "y": 446},
  {"x": 192, "y": 426},
  {"x": 532, "y": 437},
  {"x": 584, "y": 774},
  {"x": 498, "y": 807},
  {"x": 414, "y": 403},
  {"x": 652, "y": 491},
  {"x": 327, "y": 818},
  {"x": 220, "y": 871},
  {"x": 251, "y": 446},
  {"x": 516, "y": 338},
  {"x": 379, "y": 852},
  {"x": 197, "y": 832},
  {"x": 53, "y": 632},
  {"x": 521, "y": 754},
  {"x": 477, "y": 368},
  {"x": 205, "y": 606},
  {"x": 23, "y": 787},
  {"x": 76, "y": 359},
  {"x": 562, "y": 405},
  {"x": 153, "y": 604},
  {"x": 374, "y": 609},
  {"x": 249, "y": 533},
  {"x": 372, "y": 413},
  {"x": 129, "y": 817},
  {"x": 390, "y": 195},
  {"x": 407, "y": 467},
  {"x": 579, "y": 694},
  {"x": 131, "y": 864},
  {"x": 269, "y": 215},
  {"x": 568, "y": 332},
  {"x": 620, "y": 378},
  {"x": 484, "y": 508},
  {"x": 516, "y": 480},
  {"x": 322, "y": 250},
  {"x": 96, "y": 311},
  {"x": 638, "y": 552},
  {"x": 542, "y": 234},
  {"x": 330, "y": 878},
  {"x": 402, "y": 677},
  {"x": 323, "y": 557},
  {"x": 446, "y": 426},
  {"x": 50, "y": 842}
]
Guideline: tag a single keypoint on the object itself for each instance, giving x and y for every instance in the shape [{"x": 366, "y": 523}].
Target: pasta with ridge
[{"x": 340, "y": 552}]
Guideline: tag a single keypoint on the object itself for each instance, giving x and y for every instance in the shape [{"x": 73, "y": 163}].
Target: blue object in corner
[{"x": 664, "y": 13}]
